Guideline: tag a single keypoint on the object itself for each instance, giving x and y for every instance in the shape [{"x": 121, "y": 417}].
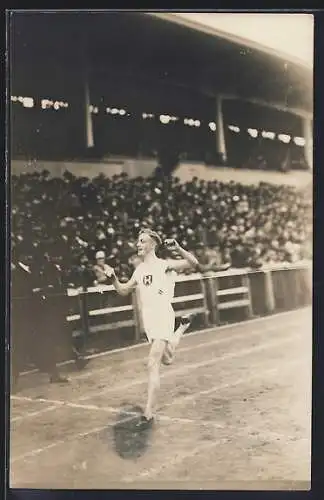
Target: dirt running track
[{"x": 234, "y": 412}]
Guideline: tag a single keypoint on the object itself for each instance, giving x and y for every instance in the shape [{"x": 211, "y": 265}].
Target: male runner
[{"x": 155, "y": 280}]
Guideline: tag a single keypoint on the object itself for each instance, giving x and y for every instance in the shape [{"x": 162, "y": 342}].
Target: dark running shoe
[
  {"x": 146, "y": 423},
  {"x": 187, "y": 319}
]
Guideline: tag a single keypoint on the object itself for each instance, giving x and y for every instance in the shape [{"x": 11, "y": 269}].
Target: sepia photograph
[{"x": 161, "y": 226}]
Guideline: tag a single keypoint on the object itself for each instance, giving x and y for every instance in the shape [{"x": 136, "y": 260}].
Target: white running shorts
[{"x": 159, "y": 322}]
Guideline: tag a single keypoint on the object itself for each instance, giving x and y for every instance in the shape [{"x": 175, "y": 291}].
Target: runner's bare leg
[{"x": 154, "y": 363}]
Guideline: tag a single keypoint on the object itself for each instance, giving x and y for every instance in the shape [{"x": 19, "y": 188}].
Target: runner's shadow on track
[{"x": 131, "y": 435}]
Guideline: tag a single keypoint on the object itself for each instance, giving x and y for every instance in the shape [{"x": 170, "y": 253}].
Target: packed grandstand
[{"x": 72, "y": 218}]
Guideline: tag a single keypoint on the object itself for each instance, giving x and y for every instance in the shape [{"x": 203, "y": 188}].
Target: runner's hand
[
  {"x": 172, "y": 244},
  {"x": 110, "y": 272}
]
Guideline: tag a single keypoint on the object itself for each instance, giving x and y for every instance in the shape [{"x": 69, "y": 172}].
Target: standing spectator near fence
[
  {"x": 56, "y": 305},
  {"x": 33, "y": 326},
  {"x": 43, "y": 331}
]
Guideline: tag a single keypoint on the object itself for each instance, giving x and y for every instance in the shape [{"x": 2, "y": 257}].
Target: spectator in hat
[{"x": 101, "y": 269}]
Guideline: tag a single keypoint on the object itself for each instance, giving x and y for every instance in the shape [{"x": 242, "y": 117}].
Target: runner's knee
[
  {"x": 155, "y": 355},
  {"x": 152, "y": 362}
]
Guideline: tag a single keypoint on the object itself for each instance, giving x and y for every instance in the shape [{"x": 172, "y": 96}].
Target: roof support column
[
  {"x": 87, "y": 124},
  {"x": 220, "y": 132},
  {"x": 88, "y": 115},
  {"x": 308, "y": 136}
]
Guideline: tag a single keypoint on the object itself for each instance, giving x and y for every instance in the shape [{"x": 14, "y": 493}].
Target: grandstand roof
[
  {"x": 255, "y": 30},
  {"x": 159, "y": 49}
]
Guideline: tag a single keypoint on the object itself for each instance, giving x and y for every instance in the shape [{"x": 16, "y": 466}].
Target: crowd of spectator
[{"x": 72, "y": 218}]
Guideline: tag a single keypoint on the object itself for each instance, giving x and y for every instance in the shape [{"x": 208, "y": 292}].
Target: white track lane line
[
  {"x": 32, "y": 414},
  {"x": 190, "y": 334},
  {"x": 15, "y": 397},
  {"x": 68, "y": 439},
  {"x": 116, "y": 411}
]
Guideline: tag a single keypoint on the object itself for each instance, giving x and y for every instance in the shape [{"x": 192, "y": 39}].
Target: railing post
[
  {"x": 204, "y": 287},
  {"x": 214, "y": 300},
  {"x": 269, "y": 298},
  {"x": 246, "y": 284},
  {"x": 84, "y": 313}
]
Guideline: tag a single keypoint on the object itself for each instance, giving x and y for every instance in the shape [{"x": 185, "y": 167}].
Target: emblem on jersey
[{"x": 147, "y": 280}]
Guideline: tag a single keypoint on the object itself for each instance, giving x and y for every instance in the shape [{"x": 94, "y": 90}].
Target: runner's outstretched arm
[{"x": 203, "y": 268}]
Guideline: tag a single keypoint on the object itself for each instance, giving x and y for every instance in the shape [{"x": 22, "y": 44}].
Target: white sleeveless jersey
[{"x": 154, "y": 284}]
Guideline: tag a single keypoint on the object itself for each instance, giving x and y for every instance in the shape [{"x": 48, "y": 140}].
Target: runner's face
[{"x": 145, "y": 245}]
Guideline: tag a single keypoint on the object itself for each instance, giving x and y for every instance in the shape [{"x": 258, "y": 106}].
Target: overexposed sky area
[{"x": 288, "y": 34}]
